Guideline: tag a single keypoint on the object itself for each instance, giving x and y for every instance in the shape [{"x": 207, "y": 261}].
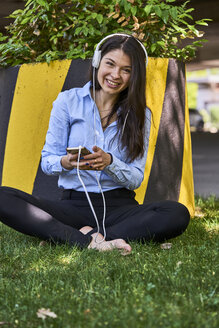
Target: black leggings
[{"x": 60, "y": 221}]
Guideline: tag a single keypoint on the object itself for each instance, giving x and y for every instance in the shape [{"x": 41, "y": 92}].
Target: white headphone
[{"x": 97, "y": 54}]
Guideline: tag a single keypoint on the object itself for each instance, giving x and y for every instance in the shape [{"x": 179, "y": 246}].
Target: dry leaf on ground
[
  {"x": 166, "y": 245},
  {"x": 43, "y": 313}
]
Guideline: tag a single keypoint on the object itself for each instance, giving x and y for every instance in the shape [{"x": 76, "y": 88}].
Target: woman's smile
[{"x": 112, "y": 83}]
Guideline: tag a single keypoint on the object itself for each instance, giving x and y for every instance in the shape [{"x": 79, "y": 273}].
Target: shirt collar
[{"x": 85, "y": 91}]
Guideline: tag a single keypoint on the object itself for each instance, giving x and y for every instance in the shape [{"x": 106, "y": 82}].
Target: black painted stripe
[
  {"x": 73, "y": 79},
  {"x": 166, "y": 172},
  {"x": 8, "y": 78}
]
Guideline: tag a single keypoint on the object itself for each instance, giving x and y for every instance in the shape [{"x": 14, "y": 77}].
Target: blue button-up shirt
[{"x": 72, "y": 124}]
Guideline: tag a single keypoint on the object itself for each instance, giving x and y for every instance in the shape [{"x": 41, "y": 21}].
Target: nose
[{"x": 115, "y": 73}]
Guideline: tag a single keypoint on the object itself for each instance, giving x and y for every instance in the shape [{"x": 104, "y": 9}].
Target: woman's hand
[
  {"x": 96, "y": 161},
  {"x": 99, "y": 159},
  {"x": 68, "y": 161}
]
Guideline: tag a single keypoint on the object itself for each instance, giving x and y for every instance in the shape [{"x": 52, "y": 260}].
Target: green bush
[{"x": 58, "y": 29}]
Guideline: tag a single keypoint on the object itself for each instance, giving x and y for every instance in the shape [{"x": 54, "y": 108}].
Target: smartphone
[{"x": 75, "y": 150}]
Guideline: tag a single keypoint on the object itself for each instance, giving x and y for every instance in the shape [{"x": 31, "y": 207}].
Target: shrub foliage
[{"x": 58, "y": 29}]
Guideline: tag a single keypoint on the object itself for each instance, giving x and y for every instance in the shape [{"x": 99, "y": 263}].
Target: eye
[
  {"x": 109, "y": 63},
  {"x": 127, "y": 70}
]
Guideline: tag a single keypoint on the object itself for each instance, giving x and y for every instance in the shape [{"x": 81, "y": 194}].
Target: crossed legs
[{"x": 63, "y": 222}]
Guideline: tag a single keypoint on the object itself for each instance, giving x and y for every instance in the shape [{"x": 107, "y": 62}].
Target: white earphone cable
[
  {"x": 90, "y": 203},
  {"x": 95, "y": 143}
]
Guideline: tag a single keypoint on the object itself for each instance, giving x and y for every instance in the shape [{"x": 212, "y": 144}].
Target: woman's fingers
[
  {"x": 95, "y": 161},
  {"x": 72, "y": 157},
  {"x": 89, "y": 166}
]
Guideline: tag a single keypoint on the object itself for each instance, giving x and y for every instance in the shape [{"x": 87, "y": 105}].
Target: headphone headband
[{"x": 97, "y": 54}]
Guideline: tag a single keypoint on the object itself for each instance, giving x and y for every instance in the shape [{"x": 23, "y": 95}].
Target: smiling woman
[{"x": 110, "y": 173}]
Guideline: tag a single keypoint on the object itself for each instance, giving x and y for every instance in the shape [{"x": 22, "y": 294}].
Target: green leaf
[
  {"x": 201, "y": 22},
  {"x": 25, "y": 20},
  {"x": 165, "y": 16},
  {"x": 85, "y": 31},
  {"x": 173, "y": 12},
  {"x": 182, "y": 21},
  {"x": 78, "y": 30},
  {"x": 153, "y": 47},
  {"x": 158, "y": 11},
  {"x": 161, "y": 43},
  {"x": 93, "y": 15},
  {"x": 16, "y": 13},
  {"x": 28, "y": 2},
  {"x": 99, "y": 18},
  {"x": 148, "y": 9},
  {"x": 185, "y": 16},
  {"x": 198, "y": 43},
  {"x": 127, "y": 7},
  {"x": 43, "y": 4},
  {"x": 91, "y": 29},
  {"x": 189, "y": 10},
  {"x": 185, "y": 3},
  {"x": 134, "y": 10},
  {"x": 179, "y": 29},
  {"x": 3, "y": 38}
]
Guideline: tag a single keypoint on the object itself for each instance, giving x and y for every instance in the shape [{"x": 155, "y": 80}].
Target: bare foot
[
  {"x": 119, "y": 244},
  {"x": 85, "y": 229}
]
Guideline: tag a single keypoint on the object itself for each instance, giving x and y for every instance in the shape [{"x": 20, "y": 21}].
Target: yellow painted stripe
[
  {"x": 186, "y": 195},
  {"x": 36, "y": 88},
  {"x": 155, "y": 91}
]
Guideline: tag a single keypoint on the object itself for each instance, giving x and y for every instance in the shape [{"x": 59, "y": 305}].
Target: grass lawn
[{"x": 151, "y": 288}]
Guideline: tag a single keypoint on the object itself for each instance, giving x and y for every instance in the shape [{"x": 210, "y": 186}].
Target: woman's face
[{"x": 114, "y": 72}]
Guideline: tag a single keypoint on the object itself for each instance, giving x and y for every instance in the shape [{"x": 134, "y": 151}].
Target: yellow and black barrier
[{"x": 26, "y": 96}]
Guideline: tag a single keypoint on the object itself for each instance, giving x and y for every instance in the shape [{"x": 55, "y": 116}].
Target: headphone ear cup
[{"x": 96, "y": 58}]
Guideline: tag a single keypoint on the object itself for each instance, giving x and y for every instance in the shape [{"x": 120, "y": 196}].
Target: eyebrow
[{"x": 115, "y": 62}]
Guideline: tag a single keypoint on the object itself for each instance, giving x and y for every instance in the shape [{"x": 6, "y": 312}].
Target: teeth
[{"x": 112, "y": 83}]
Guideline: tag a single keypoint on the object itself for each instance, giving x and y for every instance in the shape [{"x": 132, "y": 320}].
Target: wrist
[
  {"x": 64, "y": 164},
  {"x": 111, "y": 158}
]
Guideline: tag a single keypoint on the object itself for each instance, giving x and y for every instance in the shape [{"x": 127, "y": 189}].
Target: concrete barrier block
[{"x": 26, "y": 96}]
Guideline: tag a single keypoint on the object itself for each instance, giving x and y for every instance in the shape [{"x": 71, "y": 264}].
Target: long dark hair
[{"x": 131, "y": 99}]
